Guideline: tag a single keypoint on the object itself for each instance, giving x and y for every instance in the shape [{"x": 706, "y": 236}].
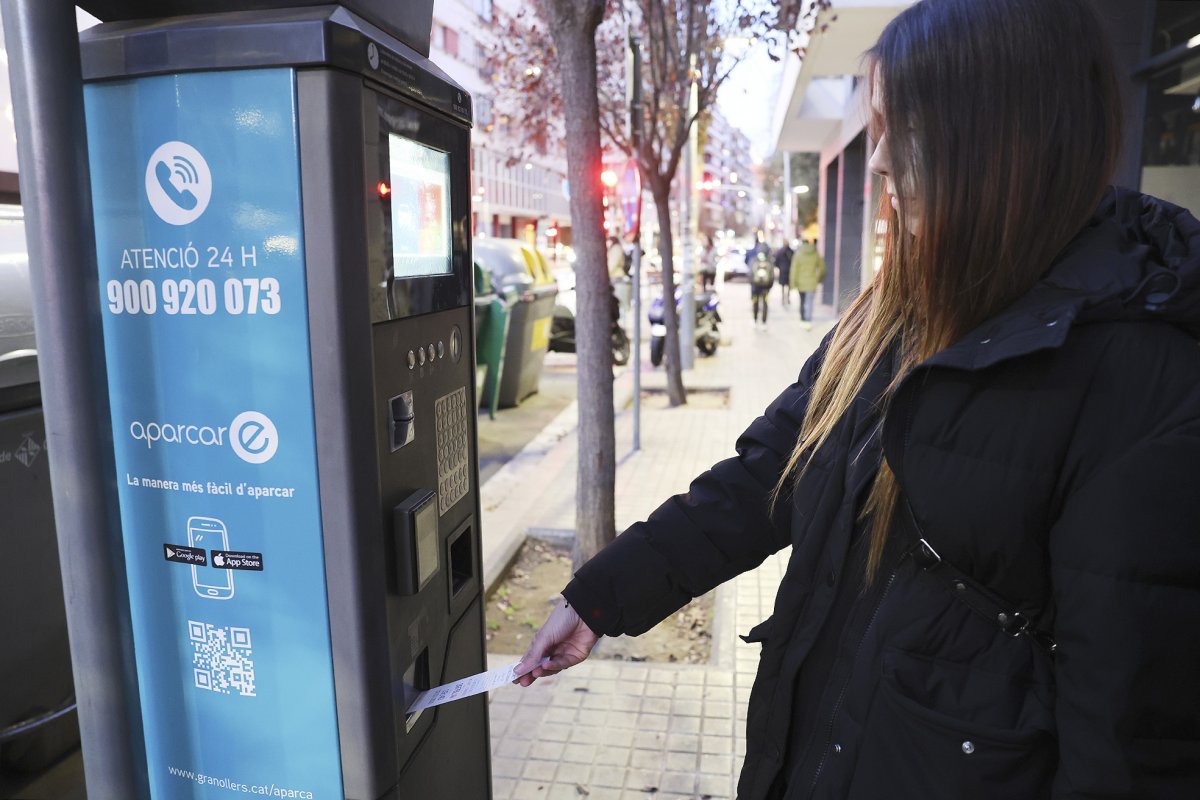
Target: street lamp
[{"x": 801, "y": 189}]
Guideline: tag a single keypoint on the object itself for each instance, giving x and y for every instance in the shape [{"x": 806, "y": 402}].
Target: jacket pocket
[{"x": 912, "y": 750}]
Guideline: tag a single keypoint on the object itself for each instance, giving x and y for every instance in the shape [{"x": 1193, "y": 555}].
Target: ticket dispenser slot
[{"x": 416, "y": 680}]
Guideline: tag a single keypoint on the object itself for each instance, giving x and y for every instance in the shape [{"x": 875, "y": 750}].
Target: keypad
[{"x": 453, "y": 427}]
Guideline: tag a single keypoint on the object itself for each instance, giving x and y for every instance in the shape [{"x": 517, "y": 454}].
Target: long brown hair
[{"x": 1003, "y": 122}]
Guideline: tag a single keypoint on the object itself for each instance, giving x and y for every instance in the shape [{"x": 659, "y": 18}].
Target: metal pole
[
  {"x": 634, "y": 77},
  {"x": 789, "y": 228},
  {"x": 637, "y": 342},
  {"x": 691, "y": 228},
  {"x": 47, "y": 93}
]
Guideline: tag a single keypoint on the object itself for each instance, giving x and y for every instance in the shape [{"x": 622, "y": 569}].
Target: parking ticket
[{"x": 466, "y": 687}]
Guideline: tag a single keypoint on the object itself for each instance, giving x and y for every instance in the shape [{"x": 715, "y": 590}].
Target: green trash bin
[
  {"x": 491, "y": 336},
  {"x": 520, "y": 275}
]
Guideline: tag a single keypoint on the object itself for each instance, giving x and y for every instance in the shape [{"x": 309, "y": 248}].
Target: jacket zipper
[{"x": 842, "y": 695}]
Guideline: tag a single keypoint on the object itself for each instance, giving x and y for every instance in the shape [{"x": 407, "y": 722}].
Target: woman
[{"x": 987, "y": 472}]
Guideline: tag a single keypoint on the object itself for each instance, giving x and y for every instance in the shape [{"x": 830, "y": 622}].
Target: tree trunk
[
  {"x": 661, "y": 191},
  {"x": 573, "y": 25}
]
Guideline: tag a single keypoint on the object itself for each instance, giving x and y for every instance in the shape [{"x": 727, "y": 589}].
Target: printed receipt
[{"x": 467, "y": 687}]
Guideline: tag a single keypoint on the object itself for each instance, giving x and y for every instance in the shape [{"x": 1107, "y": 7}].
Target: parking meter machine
[{"x": 282, "y": 224}]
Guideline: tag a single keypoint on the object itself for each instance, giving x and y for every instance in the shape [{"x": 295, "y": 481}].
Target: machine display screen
[{"x": 420, "y": 178}]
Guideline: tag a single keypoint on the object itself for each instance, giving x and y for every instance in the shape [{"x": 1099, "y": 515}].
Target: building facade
[
  {"x": 730, "y": 198},
  {"x": 513, "y": 195},
  {"x": 820, "y": 110}
]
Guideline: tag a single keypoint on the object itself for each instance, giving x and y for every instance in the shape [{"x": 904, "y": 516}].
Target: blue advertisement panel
[{"x": 196, "y": 186}]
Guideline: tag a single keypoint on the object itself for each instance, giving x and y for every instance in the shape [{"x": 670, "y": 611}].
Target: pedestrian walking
[
  {"x": 617, "y": 260},
  {"x": 752, "y": 254},
  {"x": 987, "y": 470},
  {"x": 708, "y": 265},
  {"x": 762, "y": 278},
  {"x": 783, "y": 263},
  {"x": 808, "y": 270}
]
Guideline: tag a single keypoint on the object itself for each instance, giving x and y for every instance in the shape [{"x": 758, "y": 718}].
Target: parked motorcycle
[
  {"x": 562, "y": 330},
  {"x": 708, "y": 336}
]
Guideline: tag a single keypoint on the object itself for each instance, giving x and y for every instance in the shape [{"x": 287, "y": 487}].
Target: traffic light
[{"x": 708, "y": 183}]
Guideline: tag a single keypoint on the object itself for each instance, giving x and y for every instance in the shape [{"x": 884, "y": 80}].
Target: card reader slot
[{"x": 415, "y": 535}]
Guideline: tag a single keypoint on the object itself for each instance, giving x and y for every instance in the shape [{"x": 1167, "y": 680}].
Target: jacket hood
[{"x": 1137, "y": 259}]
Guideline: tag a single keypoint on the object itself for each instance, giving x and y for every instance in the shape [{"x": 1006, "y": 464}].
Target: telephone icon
[{"x": 180, "y": 197}]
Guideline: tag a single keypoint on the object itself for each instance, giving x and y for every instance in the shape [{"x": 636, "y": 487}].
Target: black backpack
[{"x": 761, "y": 275}]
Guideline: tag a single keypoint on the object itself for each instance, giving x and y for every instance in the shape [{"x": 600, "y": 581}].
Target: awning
[{"x": 815, "y": 98}]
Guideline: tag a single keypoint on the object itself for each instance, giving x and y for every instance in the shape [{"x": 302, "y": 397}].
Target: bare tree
[
  {"x": 558, "y": 69},
  {"x": 573, "y": 26},
  {"x": 684, "y": 43}
]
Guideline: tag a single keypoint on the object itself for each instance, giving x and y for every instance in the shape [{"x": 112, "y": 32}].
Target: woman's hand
[{"x": 564, "y": 639}]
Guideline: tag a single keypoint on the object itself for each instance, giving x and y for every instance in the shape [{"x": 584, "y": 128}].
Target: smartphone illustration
[
  {"x": 210, "y": 534},
  {"x": 180, "y": 197}
]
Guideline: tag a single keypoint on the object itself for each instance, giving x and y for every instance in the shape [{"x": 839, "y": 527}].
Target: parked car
[
  {"x": 733, "y": 264},
  {"x": 513, "y": 265}
]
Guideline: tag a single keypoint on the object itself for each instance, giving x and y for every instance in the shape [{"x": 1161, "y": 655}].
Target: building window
[
  {"x": 1171, "y": 142},
  {"x": 468, "y": 50},
  {"x": 450, "y": 42},
  {"x": 483, "y": 110},
  {"x": 484, "y": 9}
]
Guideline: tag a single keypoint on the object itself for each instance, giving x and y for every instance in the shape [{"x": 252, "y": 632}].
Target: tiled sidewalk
[{"x": 613, "y": 730}]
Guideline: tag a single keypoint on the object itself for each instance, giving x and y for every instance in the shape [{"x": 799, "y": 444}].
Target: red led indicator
[{"x": 384, "y": 189}]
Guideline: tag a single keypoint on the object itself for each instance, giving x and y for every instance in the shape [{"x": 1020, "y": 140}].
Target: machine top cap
[{"x": 410, "y": 21}]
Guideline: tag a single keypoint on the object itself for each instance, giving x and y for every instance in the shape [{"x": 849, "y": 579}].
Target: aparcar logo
[{"x": 252, "y": 435}]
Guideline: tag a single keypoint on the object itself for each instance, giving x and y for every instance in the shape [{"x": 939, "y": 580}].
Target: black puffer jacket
[{"x": 1054, "y": 457}]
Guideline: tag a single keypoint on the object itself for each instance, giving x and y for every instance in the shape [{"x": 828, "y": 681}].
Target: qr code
[{"x": 222, "y": 658}]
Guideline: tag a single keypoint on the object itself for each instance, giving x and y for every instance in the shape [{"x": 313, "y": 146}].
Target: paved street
[
  {"x": 620, "y": 730},
  {"x": 500, "y": 439}
]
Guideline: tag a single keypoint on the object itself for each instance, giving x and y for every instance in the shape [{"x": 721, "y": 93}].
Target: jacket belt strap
[{"x": 976, "y": 596}]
